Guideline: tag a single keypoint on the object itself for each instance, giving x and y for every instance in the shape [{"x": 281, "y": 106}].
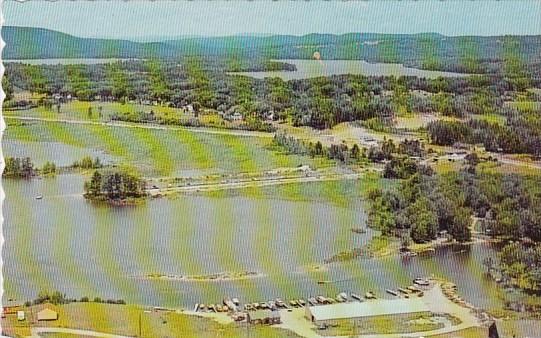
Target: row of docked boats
[
  {"x": 410, "y": 290},
  {"x": 229, "y": 305},
  {"x": 406, "y": 292},
  {"x": 233, "y": 305}
]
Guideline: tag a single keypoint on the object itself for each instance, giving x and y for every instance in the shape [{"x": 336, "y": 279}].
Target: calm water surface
[
  {"x": 63, "y": 242},
  {"x": 315, "y": 68}
]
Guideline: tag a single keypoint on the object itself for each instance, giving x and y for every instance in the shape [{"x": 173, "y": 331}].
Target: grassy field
[
  {"x": 492, "y": 118},
  {"x": 124, "y": 320},
  {"x": 385, "y": 325},
  {"x": 79, "y": 110},
  {"x": 473, "y": 332}
]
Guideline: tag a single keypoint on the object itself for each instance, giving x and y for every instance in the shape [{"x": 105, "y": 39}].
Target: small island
[{"x": 114, "y": 186}]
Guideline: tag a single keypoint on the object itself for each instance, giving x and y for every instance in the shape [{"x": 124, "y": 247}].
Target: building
[
  {"x": 11, "y": 307},
  {"x": 47, "y": 314},
  {"x": 356, "y": 310},
  {"x": 264, "y": 317}
]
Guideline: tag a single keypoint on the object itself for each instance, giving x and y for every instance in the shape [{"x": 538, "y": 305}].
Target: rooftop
[
  {"x": 263, "y": 314},
  {"x": 365, "y": 309}
]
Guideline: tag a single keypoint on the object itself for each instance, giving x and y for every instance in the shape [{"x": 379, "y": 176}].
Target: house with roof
[{"x": 47, "y": 314}]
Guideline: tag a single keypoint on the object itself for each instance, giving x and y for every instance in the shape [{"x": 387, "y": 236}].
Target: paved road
[
  {"x": 36, "y": 331},
  {"x": 261, "y": 182},
  {"x": 233, "y": 132}
]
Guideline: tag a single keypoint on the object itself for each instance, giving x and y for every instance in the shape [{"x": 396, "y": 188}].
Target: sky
[{"x": 141, "y": 20}]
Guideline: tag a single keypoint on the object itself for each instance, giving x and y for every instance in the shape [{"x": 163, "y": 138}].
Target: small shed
[
  {"x": 11, "y": 307},
  {"x": 47, "y": 314},
  {"x": 264, "y": 317}
]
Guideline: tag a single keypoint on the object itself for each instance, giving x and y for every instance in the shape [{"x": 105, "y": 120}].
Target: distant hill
[
  {"x": 38, "y": 43},
  {"x": 427, "y": 50}
]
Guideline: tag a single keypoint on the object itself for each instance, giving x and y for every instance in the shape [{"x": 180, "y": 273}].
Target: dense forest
[
  {"x": 520, "y": 134},
  {"x": 316, "y": 102},
  {"x": 520, "y": 266},
  {"x": 423, "y": 205}
]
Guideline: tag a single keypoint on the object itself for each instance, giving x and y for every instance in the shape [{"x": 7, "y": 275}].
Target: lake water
[
  {"x": 63, "y": 242},
  {"x": 59, "y": 153},
  {"x": 316, "y": 68}
]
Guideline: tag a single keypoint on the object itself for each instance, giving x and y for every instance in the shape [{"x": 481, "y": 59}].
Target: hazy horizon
[{"x": 157, "y": 21}]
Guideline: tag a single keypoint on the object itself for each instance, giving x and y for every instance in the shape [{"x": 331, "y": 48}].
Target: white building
[
  {"x": 47, "y": 314},
  {"x": 380, "y": 307}
]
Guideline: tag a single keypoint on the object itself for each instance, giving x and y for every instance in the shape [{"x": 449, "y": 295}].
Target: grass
[
  {"x": 124, "y": 320},
  {"x": 79, "y": 110},
  {"x": 491, "y": 118},
  {"x": 383, "y": 325}
]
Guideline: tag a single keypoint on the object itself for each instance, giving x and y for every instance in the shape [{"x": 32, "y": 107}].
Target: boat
[
  {"x": 421, "y": 282},
  {"x": 230, "y": 304},
  {"x": 408, "y": 254},
  {"x": 301, "y": 302},
  {"x": 293, "y": 302},
  {"x": 343, "y": 296},
  {"x": 413, "y": 289},
  {"x": 38, "y": 197},
  {"x": 219, "y": 308},
  {"x": 236, "y": 301},
  {"x": 321, "y": 299},
  {"x": 196, "y": 307},
  {"x": 312, "y": 301},
  {"x": 420, "y": 294},
  {"x": 212, "y": 307},
  {"x": 248, "y": 307},
  {"x": 280, "y": 302},
  {"x": 404, "y": 291},
  {"x": 370, "y": 295},
  {"x": 392, "y": 292},
  {"x": 357, "y": 297},
  {"x": 202, "y": 307}
]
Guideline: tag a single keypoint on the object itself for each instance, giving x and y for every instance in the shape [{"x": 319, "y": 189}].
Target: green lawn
[{"x": 124, "y": 320}]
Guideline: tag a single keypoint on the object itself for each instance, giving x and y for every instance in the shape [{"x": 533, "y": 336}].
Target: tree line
[
  {"x": 23, "y": 167},
  {"x": 520, "y": 134}
]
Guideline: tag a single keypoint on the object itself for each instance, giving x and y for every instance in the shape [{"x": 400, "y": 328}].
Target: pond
[
  {"x": 316, "y": 68},
  {"x": 59, "y": 153},
  {"x": 63, "y": 242}
]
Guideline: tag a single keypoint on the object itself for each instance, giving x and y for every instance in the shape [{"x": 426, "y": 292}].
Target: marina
[{"x": 239, "y": 311}]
